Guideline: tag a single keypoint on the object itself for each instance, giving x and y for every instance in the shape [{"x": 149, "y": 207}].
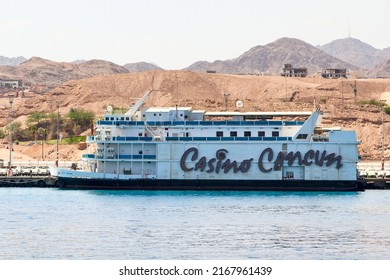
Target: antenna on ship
[
  {"x": 177, "y": 96},
  {"x": 383, "y": 140},
  {"x": 226, "y": 96}
]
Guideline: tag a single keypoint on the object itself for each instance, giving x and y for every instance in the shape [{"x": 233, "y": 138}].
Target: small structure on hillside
[
  {"x": 4, "y": 83},
  {"x": 385, "y": 97},
  {"x": 334, "y": 73},
  {"x": 290, "y": 71}
]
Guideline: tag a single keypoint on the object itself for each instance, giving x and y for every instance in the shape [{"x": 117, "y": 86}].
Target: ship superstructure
[{"x": 181, "y": 148}]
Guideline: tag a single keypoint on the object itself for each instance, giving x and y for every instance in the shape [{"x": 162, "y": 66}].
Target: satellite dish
[
  {"x": 239, "y": 104},
  {"x": 109, "y": 109}
]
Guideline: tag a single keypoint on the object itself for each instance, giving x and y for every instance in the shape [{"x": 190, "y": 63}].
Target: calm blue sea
[{"x": 75, "y": 224}]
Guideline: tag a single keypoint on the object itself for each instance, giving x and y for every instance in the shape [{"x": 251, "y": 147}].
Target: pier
[{"x": 27, "y": 182}]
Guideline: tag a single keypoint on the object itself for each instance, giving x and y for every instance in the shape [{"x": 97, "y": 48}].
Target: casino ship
[{"x": 178, "y": 148}]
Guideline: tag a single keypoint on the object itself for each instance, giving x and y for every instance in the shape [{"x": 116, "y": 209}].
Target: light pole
[
  {"x": 58, "y": 125},
  {"x": 383, "y": 141},
  {"x": 10, "y": 134}
]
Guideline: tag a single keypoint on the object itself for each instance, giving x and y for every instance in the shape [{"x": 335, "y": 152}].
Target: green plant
[
  {"x": 82, "y": 118},
  {"x": 74, "y": 139},
  {"x": 2, "y": 133},
  {"x": 373, "y": 102}
]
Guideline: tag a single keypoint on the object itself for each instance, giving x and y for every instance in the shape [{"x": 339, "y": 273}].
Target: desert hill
[
  {"x": 100, "y": 67},
  {"x": 382, "y": 70},
  {"x": 210, "y": 91},
  {"x": 141, "y": 66},
  {"x": 43, "y": 75},
  {"x": 11, "y": 61},
  {"x": 272, "y": 57},
  {"x": 39, "y": 71},
  {"x": 50, "y": 74},
  {"x": 356, "y": 52}
]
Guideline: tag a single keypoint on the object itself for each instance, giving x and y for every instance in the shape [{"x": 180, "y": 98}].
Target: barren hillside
[{"x": 210, "y": 91}]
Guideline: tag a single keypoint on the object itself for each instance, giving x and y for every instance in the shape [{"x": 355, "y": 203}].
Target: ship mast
[{"x": 383, "y": 142}]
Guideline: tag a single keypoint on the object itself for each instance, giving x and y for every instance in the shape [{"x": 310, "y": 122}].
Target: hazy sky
[{"x": 175, "y": 33}]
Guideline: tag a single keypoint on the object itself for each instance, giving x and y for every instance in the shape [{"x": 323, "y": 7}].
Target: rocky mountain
[
  {"x": 101, "y": 67},
  {"x": 141, "y": 66},
  {"x": 269, "y": 59},
  {"x": 12, "y": 61},
  {"x": 78, "y": 61},
  {"x": 50, "y": 74},
  {"x": 380, "y": 71},
  {"x": 356, "y": 52},
  {"x": 272, "y": 57},
  {"x": 39, "y": 71}
]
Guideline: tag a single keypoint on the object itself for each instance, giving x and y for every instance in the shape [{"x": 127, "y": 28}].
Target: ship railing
[
  {"x": 93, "y": 156},
  {"x": 196, "y": 139},
  {"x": 202, "y": 123}
]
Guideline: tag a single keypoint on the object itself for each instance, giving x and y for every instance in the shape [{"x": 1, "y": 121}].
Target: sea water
[{"x": 112, "y": 225}]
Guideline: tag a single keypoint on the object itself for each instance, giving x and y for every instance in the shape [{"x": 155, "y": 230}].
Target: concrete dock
[{"x": 27, "y": 182}]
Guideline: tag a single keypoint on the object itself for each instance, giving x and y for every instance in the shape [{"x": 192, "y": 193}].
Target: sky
[{"x": 173, "y": 34}]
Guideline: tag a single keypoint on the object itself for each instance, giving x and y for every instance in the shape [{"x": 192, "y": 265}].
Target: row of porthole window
[{"x": 248, "y": 134}]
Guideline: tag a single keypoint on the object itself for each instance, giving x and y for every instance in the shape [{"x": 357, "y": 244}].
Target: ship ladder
[{"x": 149, "y": 129}]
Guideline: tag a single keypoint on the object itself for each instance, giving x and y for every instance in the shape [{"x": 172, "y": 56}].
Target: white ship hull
[{"x": 179, "y": 149}]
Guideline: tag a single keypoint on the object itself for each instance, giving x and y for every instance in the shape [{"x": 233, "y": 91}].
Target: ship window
[
  {"x": 107, "y": 118},
  {"x": 289, "y": 174},
  {"x": 166, "y": 128},
  {"x": 275, "y": 133},
  {"x": 140, "y": 134},
  {"x": 261, "y": 133},
  {"x": 302, "y": 136},
  {"x": 154, "y": 114},
  {"x": 140, "y": 152},
  {"x": 127, "y": 118},
  {"x": 247, "y": 133},
  {"x": 186, "y": 117},
  {"x": 112, "y": 118},
  {"x": 219, "y": 133},
  {"x": 233, "y": 133}
]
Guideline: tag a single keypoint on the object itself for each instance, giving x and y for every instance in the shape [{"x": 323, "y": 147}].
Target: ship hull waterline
[{"x": 210, "y": 185}]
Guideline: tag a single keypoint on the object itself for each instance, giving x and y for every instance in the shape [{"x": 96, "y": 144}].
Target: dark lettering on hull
[
  {"x": 331, "y": 158},
  {"x": 217, "y": 164},
  {"x": 221, "y": 163},
  {"x": 309, "y": 155},
  {"x": 270, "y": 158},
  {"x": 184, "y": 156}
]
